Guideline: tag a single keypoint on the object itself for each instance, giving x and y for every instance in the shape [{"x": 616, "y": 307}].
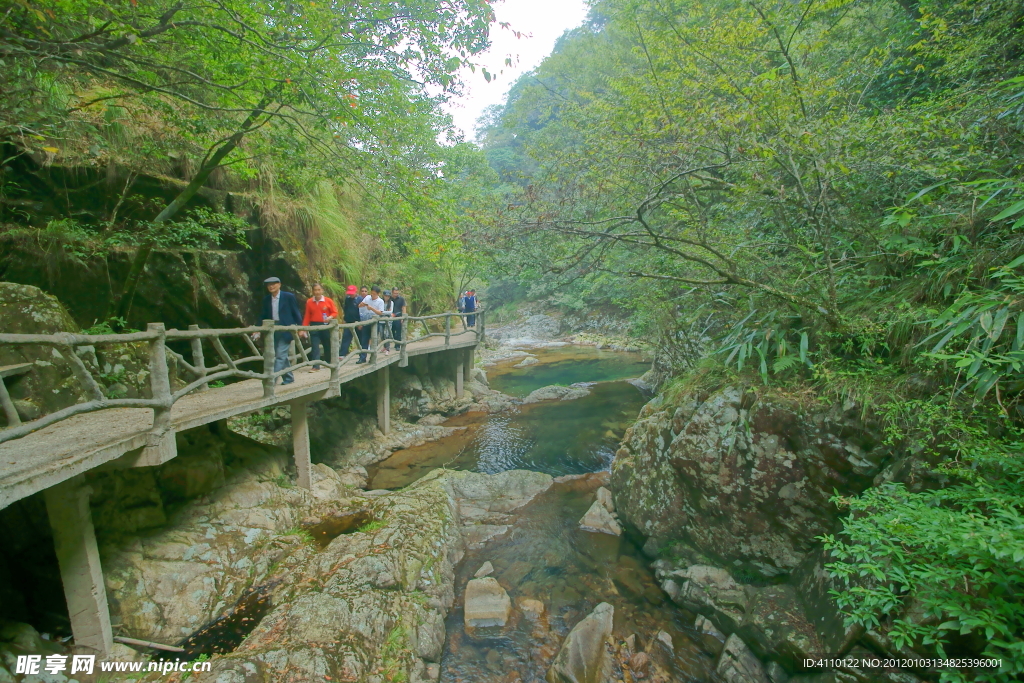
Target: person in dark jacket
[
  {"x": 350, "y": 314},
  {"x": 471, "y": 308},
  {"x": 283, "y": 309},
  {"x": 399, "y": 313}
]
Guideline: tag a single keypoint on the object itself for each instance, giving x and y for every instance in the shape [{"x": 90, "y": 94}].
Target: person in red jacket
[{"x": 320, "y": 310}]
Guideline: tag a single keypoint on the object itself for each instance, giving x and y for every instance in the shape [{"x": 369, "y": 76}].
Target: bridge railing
[{"x": 163, "y": 397}]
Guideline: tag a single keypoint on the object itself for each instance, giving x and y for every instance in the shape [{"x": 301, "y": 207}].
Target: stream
[{"x": 546, "y": 556}]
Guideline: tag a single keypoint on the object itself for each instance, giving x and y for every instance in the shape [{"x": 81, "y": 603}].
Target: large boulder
[
  {"x": 584, "y": 656},
  {"x": 50, "y": 384},
  {"x": 737, "y": 664},
  {"x": 487, "y": 603},
  {"x": 538, "y": 327},
  {"x": 598, "y": 519},
  {"x": 557, "y": 392},
  {"x": 742, "y": 477}
]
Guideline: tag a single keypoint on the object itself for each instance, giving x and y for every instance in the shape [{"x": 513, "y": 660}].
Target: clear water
[
  {"x": 566, "y": 365},
  {"x": 548, "y": 558},
  {"x": 556, "y": 437}
]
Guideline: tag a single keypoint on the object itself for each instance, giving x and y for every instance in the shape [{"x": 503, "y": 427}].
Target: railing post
[
  {"x": 13, "y": 419},
  {"x": 447, "y": 330},
  {"x": 268, "y": 359},
  {"x": 335, "y": 353},
  {"x": 480, "y": 335},
  {"x": 293, "y": 355},
  {"x": 403, "y": 351},
  {"x": 197, "y": 357},
  {"x": 159, "y": 380},
  {"x": 374, "y": 326}
]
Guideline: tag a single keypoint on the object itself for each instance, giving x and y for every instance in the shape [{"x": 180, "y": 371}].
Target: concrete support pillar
[
  {"x": 467, "y": 373},
  {"x": 300, "y": 444},
  {"x": 74, "y": 539},
  {"x": 460, "y": 373},
  {"x": 384, "y": 399}
]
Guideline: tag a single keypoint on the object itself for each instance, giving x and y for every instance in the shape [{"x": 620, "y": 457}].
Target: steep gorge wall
[
  {"x": 211, "y": 287},
  {"x": 730, "y": 489}
]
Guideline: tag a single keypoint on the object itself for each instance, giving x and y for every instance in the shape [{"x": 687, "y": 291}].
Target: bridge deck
[{"x": 85, "y": 442}]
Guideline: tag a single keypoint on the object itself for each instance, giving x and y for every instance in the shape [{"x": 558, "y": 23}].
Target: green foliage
[
  {"x": 199, "y": 229},
  {"x": 393, "y": 655},
  {"x": 773, "y": 346},
  {"x": 942, "y": 569},
  {"x": 371, "y": 526},
  {"x": 817, "y": 193},
  {"x": 321, "y": 120},
  {"x": 110, "y": 326},
  {"x": 302, "y": 534},
  {"x": 982, "y": 332}
]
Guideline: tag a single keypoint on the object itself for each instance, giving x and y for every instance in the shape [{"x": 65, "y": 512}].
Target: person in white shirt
[
  {"x": 371, "y": 306},
  {"x": 384, "y": 329}
]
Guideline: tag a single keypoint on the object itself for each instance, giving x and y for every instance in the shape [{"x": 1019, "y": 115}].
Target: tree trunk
[{"x": 131, "y": 283}]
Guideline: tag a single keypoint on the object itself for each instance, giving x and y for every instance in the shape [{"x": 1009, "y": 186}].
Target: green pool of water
[
  {"x": 556, "y": 437},
  {"x": 566, "y": 365}
]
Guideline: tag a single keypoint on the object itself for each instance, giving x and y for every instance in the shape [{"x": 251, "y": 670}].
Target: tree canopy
[{"x": 810, "y": 192}]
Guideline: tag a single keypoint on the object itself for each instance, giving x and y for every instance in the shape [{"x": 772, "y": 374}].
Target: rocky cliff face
[
  {"x": 344, "y": 602},
  {"x": 730, "y": 489},
  {"x": 51, "y": 383},
  {"x": 743, "y": 477}
]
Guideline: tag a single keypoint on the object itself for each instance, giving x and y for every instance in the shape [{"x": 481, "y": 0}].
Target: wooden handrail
[{"x": 164, "y": 398}]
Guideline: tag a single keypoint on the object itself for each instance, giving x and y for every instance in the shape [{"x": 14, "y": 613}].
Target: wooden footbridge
[{"x": 53, "y": 453}]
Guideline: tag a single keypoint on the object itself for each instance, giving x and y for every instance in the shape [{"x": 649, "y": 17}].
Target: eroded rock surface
[
  {"x": 741, "y": 477},
  {"x": 372, "y": 599},
  {"x": 584, "y": 657},
  {"x": 538, "y": 327},
  {"x": 557, "y": 392}
]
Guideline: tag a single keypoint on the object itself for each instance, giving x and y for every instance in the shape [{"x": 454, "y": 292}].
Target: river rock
[
  {"x": 527, "y": 362},
  {"x": 487, "y": 603},
  {"x": 604, "y": 497},
  {"x": 741, "y": 476},
  {"x": 50, "y": 384},
  {"x": 530, "y": 329},
  {"x": 599, "y": 519},
  {"x": 486, "y": 569},
  {"x": 556, "y": 392},
  {"x": 737, "y": 664},
  {"x": 584, "y": 657},
  {"x": 712, "y": 639},
  {"x": 532, "y": 608}
]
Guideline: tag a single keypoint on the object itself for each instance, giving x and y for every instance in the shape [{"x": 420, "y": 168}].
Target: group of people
[{"x": 359, "y": 305}]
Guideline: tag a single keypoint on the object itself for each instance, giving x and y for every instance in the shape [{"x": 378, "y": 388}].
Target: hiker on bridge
[
  {"x": 370, "y": 306},
  {"x": 350, "y": 311},
  {"x": 320, "y": 310},
  {"x": 283, "y": 309},
  {"x": 398, "y": 312},
  {"x": 470, "y": 306}
]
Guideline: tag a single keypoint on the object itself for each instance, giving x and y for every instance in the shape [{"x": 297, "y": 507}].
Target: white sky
[{"x": 540, "y": 22}]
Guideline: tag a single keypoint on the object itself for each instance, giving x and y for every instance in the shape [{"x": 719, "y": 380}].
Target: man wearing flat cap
[{"x": 283, "y": 309}]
